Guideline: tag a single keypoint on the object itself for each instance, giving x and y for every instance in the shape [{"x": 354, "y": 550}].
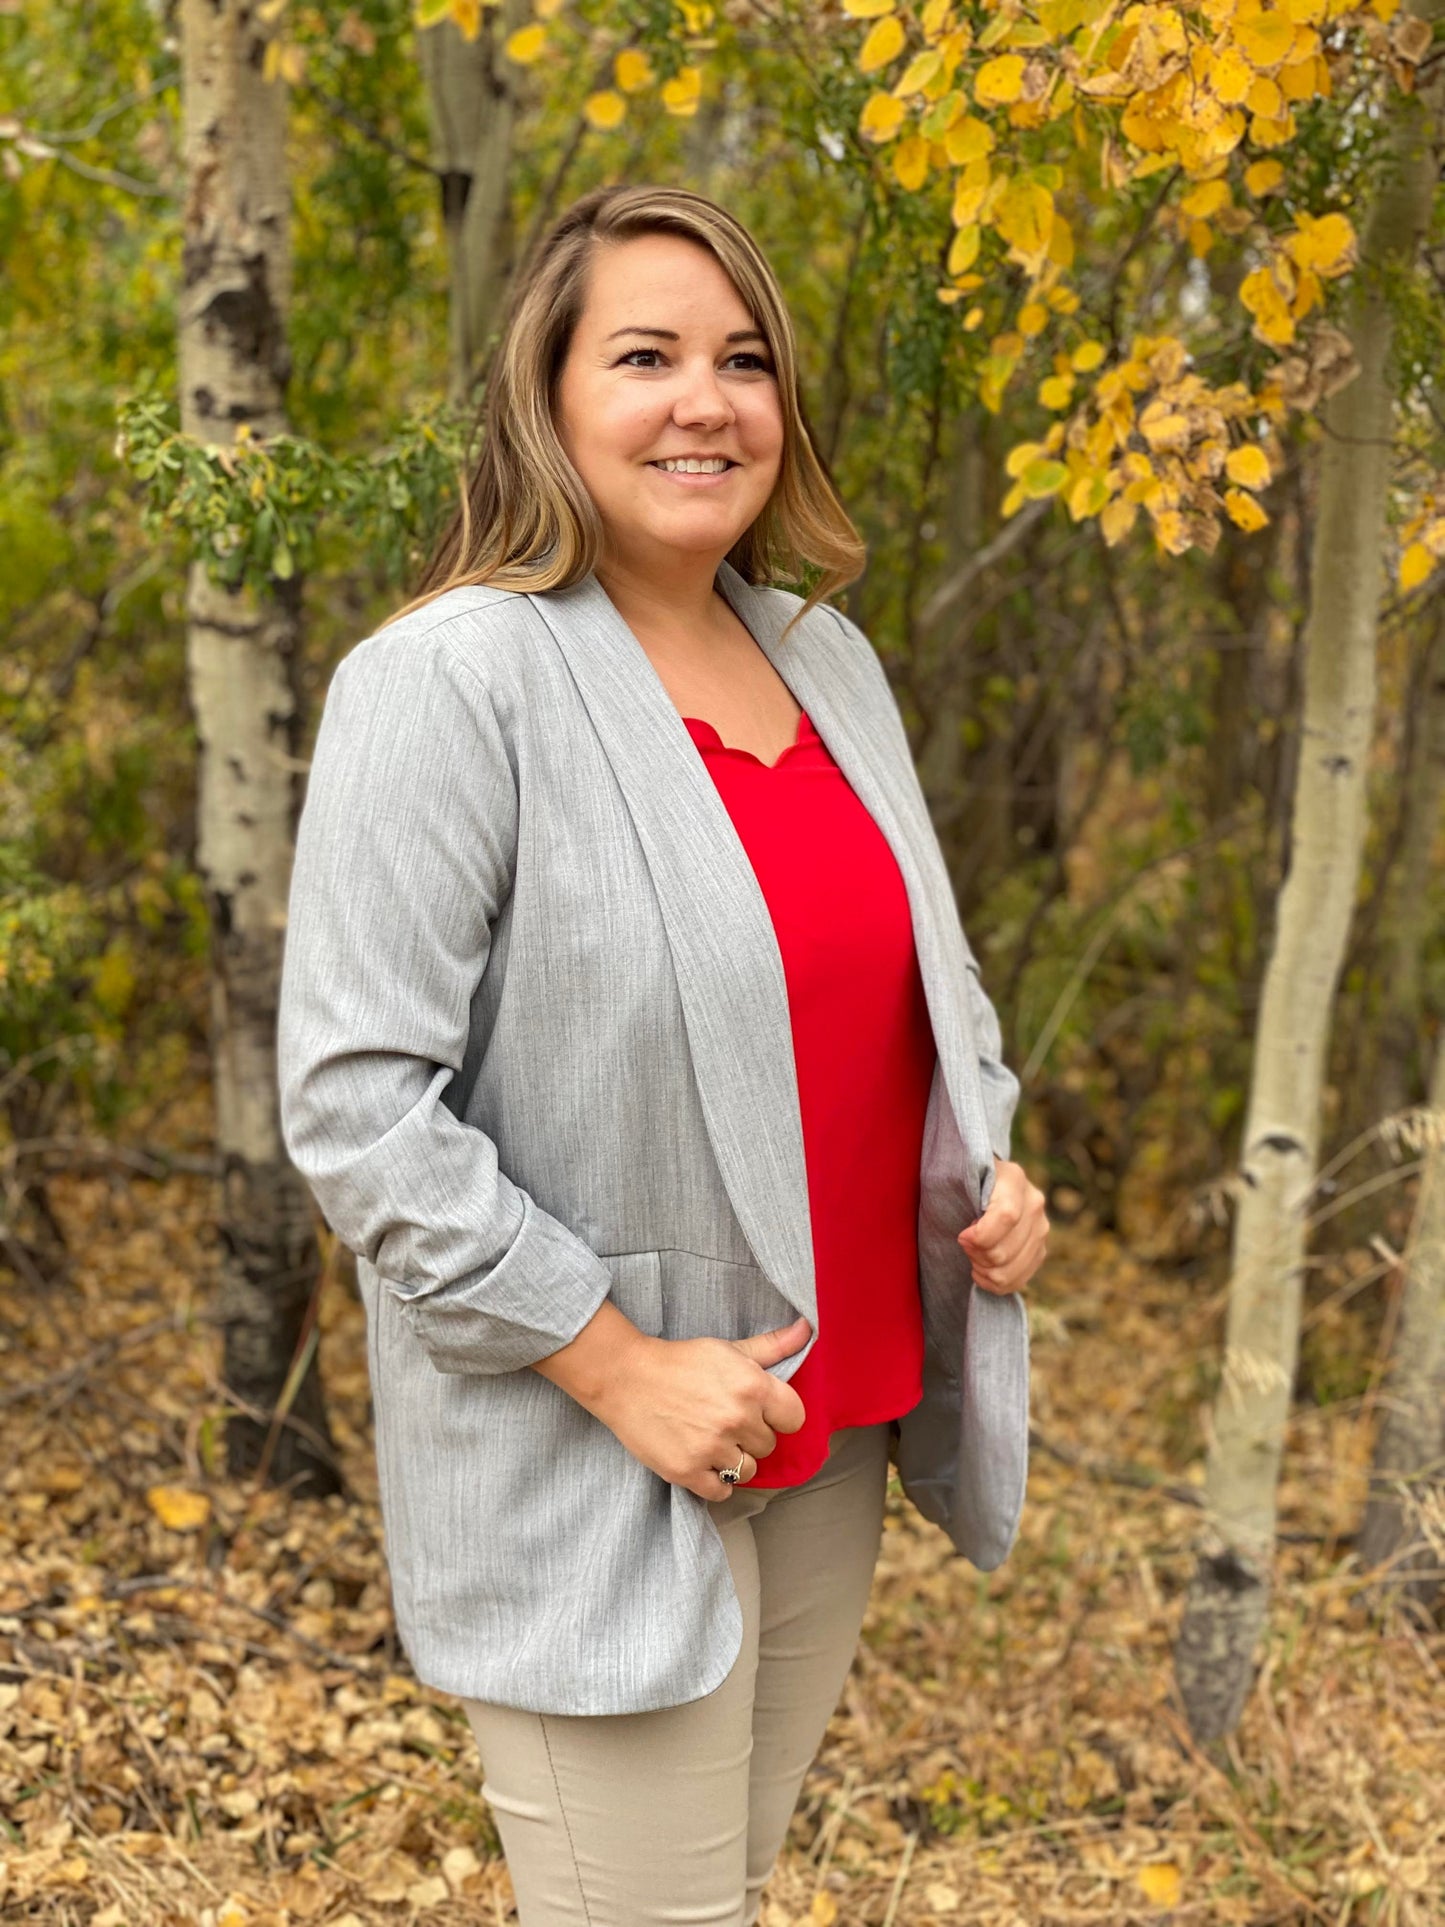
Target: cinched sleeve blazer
[{"x": 534, "y": 1052}]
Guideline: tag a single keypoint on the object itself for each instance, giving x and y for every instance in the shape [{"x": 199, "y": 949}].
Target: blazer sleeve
[
  {"x": 1000, "y": 1085},
  {"x": 404, "y": 856}
]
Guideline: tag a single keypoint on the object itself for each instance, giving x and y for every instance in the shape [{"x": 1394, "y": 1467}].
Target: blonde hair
[{"x": 524, "y": 519}]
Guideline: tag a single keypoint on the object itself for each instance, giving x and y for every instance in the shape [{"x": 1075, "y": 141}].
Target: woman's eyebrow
[{"x": 670, "y": 334}]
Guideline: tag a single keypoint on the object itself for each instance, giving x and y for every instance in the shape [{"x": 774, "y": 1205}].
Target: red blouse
[{"x": 864, "y": 1053}]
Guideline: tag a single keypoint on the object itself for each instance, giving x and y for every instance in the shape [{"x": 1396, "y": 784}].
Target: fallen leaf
[
  {"x": 179, "y": 1509},
  {"x": 1161, "y": 1884}
]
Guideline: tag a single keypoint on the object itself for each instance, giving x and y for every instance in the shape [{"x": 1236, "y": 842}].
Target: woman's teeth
[{"x": 694, "y": 467}]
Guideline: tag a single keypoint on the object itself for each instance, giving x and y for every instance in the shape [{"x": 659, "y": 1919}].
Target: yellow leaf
[
  {"x": 1262, "y": 177},
  {"x": 1249, "y": 466},
  {"x": 881, "y": 118},
  {"x": 1018, "y": 459},
  {"x": 1087, "y": 356},
  {"x": 1265, "y": 39},
  {"x": 1161, "y": 427},
  {"x": 969, "y": 189},
  {"x": 605, "y": 109},
  {"x": 1025, "y": 216},
  {"x": 1230, "y": 77},
  {"x": 1206, "y": 199},
  {"x": 884, "y": 43},
  {"x": 824, "y": 1910},
  {"x": 1327, "y": 245},
  {"x": 178, "y": 1509},
  {"x": 526, "y": 44},
  {"x": 1260, "y": 293},
  {"x": 1043, "y": 478},
  {"x": 697, "y": 15},
  {"x": 964, "y": 249},
  {"x": 544, "y": 9},
  {"x": 1301, "y": 79},
  {"x": 1033, "y": 318},
  {"x": 970, "y": 139},
  {"x": 910, "y": 162},
  {"x": 1056, "y": 392},
  {"x": 1089, "y": 495},
  {"x": 917, "y": 74},
  {"x": 1271, "y": 133},
  {"x": 681, "y": 94},
  {"x": 1416, "y": 566},
  {"x": 1161, "y": 1883},
  {"x": 632, "y": 70},
  {"x": 999, "y": 81},
  {"x": 1117, "y": 519},
  {"x": 1265, "y": 98},
  {"x": 1246, "y": 513},
  {"x": 868, "y": 9}
]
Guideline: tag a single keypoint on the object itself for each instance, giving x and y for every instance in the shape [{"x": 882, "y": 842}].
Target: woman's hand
[
  {"x": 685, "y": 1407},
  {"x": 1010, "y": 1241}
]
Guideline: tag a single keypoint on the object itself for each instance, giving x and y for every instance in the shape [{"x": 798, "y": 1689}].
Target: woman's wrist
[{"x": 591, "y": 1366}]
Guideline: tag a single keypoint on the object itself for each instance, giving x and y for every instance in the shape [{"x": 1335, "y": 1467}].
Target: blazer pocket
[{"x": 637, "y": 1287}]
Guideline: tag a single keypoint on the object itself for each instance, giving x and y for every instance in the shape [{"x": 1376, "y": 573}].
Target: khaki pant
[{"x": 656, "y": 1819}]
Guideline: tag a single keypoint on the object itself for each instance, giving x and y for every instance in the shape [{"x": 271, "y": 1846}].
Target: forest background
[{"x": 1122, "y": 330}]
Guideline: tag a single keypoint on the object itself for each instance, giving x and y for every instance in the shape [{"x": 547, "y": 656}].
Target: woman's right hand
[{"x": 684, "y": 1406}]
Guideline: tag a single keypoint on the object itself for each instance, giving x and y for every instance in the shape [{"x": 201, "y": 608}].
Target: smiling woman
[{"x": 630, "y": 1038}]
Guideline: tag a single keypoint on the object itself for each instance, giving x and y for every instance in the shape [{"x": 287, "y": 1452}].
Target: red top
[{"x": 864, "y": 1052}]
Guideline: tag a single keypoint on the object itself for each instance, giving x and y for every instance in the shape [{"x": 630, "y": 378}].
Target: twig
[
  {"x": 893, "y": 1899},
  {"x": 140, "y": 1158},
  {"x": 1003, "y": 544},
  {"x": 73, "y": 1375}
]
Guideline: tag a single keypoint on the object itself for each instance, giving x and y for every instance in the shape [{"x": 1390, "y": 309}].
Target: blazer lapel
[{"x": 725, "y": 952}]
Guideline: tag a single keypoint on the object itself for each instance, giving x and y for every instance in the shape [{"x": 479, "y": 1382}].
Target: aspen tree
[{"x": 241, "y": 657}]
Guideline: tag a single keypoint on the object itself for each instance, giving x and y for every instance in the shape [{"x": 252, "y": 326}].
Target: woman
[{"x": 630, "y": 1039}]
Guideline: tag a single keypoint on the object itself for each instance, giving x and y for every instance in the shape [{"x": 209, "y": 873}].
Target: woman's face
[{"x": 667, "y": 364}]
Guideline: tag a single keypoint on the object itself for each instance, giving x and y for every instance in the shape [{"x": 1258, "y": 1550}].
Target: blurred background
[{"x": 1122, "y": 331}]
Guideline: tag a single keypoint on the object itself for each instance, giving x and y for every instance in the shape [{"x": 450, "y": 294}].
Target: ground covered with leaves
[{"x": 205, "y": 1716}]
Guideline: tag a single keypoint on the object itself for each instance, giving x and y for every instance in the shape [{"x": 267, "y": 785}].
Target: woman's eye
[{"x": 651, "y": 358}]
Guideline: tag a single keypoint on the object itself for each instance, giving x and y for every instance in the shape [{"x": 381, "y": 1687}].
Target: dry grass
[{"x": 213, "y": 1723}]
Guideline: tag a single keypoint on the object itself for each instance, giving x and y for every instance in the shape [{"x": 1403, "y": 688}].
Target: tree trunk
[
  {"x": 473, "y": 117},
  {"x": 1398, "y": 1072},
  {"x": 1405, "y": 1517},
  {"x": 1228, "y": 1597},
  {"x": 240, "y": 658}
]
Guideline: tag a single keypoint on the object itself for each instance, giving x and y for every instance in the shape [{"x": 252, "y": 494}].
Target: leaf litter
[{"x": 206, "y": 1719}]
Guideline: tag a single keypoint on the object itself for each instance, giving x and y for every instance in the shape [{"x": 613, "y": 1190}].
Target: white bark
[
  {"x": 240, "y": 656},
  {"x": 1228, "y": 1599}
]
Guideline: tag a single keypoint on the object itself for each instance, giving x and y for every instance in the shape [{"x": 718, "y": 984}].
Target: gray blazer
[{"x": 535, "y": 1052}]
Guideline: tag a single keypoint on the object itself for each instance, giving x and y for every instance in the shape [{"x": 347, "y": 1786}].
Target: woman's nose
[{"x": 701, "y": 398}]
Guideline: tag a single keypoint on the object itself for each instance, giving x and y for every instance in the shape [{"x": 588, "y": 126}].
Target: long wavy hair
[{"x": 524, "y": 519}]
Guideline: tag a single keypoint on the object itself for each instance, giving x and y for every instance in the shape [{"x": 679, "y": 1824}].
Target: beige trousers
[{"x": 656, "y": 1819}]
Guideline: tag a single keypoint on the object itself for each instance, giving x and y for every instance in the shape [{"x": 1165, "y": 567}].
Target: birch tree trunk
[
  {"x": 473, "y": 121},
  {"x": 1405, "y": 1518},
  {"x": 1229, "y": 1594},
  {"x": 241, "y": 654}
]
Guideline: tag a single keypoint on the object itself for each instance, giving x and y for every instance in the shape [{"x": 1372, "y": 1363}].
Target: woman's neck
[{"x": 681, "y": 601}]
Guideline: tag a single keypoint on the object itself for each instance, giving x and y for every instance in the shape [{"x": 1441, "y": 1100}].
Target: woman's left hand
[{"x": 1010, "y": 1241}]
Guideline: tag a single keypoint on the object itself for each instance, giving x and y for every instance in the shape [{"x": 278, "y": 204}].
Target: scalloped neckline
[{"x": 805, "y": 733}]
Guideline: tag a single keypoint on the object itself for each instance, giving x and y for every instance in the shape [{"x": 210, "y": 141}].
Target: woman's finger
[{"x": 748, "y": 1467}]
